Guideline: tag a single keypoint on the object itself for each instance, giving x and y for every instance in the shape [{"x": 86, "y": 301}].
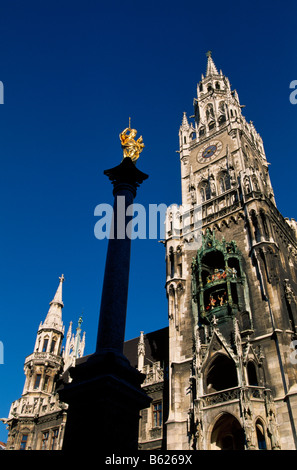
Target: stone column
[
  {"x": 111, "y": 331},
  {"x": 105, "y": 394}
]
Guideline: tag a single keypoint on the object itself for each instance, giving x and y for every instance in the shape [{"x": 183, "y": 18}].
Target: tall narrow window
[
  {"x": 45, "y": 384},
  {"x": 54, "y": 442},
  {"x": 157, "y": 414},
  {"x": 37, "y": 381},
  {"x": 257, "y": 233},
  {"x": 180, "y": 269},
  {"x": 260, "y": 436},
  {"x": 45, "y": 343},
  {"x": 24, "y": 441},
  {"x": 201, "y": 131},
  {"x": 265, "y": 226},
  {"x": 252, "y": 374},
  {"x": 171, "y": 258},
  {"x": 44, "y": 443},
  {"x": 224, "y": 183},
  {"x": 209, "y": 112},
  {"x": 53, "y": 345},
  {"x": 202, "y": 194}
]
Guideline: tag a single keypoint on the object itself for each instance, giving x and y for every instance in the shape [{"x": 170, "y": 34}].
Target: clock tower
[{"x": 231, "y": 286}]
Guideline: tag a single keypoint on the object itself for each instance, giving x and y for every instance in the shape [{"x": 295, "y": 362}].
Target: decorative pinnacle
[
  {"x": 211, "y": 68},
  {"x": 58, "y": 296}
]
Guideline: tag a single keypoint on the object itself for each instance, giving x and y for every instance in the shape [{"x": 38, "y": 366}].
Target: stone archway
[
  {"x": 227, "y": 434},
  {"x": 221, "y": 374}
]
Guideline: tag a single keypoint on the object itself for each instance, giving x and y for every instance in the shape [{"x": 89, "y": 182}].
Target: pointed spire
[
  {"x": 141, "y": 352},
  {"x": 54, "y": 315},
  {"x": 77, "y": 337},
  {"x": 58, "y": 296},
  {"x": 185, "y": 123},
  {"x": 211, "y": 68}
]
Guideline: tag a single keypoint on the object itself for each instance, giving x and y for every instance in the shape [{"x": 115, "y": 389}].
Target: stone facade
[
  {"x": 149, "y": 354},
  {"x": 231, "y": 284}
]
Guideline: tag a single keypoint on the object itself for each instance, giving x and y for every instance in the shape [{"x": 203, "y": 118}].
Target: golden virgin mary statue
[{"x": 131, "y": 147}]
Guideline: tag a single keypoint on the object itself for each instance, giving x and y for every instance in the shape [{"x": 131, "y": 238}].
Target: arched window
[
  {"x": 255, "y": 184},
  {"x": 252, "y": 374},
  {"x": 222, "y": 119},
  {"x": 171, "y": 260},
  {"x": 218, "y": 86},
  {"x": 260, "y": 435},
  {"x": 221, "y": 375},
  {"x": 209, "y": 112},
  {"x": 257, "y": 232},
  {"x": 45, "y": 344},
  {"x": 264, "y": 223},
  {"x": 222, "y": 107},
  {"x": 53, "y": 344},
  {"x": 202, "y": 194},
  {"x": 205, "y": 192},
  {"x": 224, "y": 182},
  {"x": 227, "y": 434}
]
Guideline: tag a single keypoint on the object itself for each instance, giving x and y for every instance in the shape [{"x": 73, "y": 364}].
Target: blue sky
[{"x": 73, "y": 73}]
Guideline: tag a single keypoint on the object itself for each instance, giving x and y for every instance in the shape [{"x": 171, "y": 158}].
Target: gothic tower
[
  {"x": 37, "y": 420},
  {"x": 231, "y": 286}
]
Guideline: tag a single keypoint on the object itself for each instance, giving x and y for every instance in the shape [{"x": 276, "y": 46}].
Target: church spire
[
  {"x": 211, "y": 68},
  {"x": 58, "y": 296},
  {"x": 54, "y": 315}
]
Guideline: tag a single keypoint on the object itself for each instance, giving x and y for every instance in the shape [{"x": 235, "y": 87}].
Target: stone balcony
[
  {"x": 235, "y": 394},
  {"x": 154, "y": 374},
  {"x": 43, "y": 357}
]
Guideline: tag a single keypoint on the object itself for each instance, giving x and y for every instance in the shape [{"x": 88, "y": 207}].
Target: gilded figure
[{"x": 131, "y": 147}]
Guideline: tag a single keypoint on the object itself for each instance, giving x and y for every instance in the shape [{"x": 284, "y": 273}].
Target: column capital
[{"x": 126, "y": 173}]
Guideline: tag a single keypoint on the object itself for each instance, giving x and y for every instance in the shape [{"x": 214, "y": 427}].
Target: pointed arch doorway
[{"x": 227, "y": 434}]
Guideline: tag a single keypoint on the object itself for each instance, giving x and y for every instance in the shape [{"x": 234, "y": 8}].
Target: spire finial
[
  {"x": 54, "y": 315},
  {"x": 211, "y": 68},
  {"x": 58, "y": 296}
]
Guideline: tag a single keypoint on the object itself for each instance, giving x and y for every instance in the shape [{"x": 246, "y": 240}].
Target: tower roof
[
  {"x": 58, "y": 295},
  {"x": 211, "y": 68},
  {"x": 54, "y": 315}
]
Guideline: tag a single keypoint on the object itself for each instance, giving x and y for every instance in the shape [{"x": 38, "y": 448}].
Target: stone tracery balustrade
[
  {"x": 251, "y": 392},
  {"x": 154, "y": 373},
  {"x": 43, "y": 356}
]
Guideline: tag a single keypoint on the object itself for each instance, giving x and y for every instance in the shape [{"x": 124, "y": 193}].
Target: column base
[{"x": 104, "y": 398}]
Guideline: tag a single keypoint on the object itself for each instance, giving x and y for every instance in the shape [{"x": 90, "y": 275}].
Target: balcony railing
[
  {"x": 40, "y": 357},
  {"x": 235, "y": 393}
]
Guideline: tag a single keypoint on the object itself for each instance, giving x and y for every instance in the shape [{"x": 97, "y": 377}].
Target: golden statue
[{"x": 131, "y": 147}]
